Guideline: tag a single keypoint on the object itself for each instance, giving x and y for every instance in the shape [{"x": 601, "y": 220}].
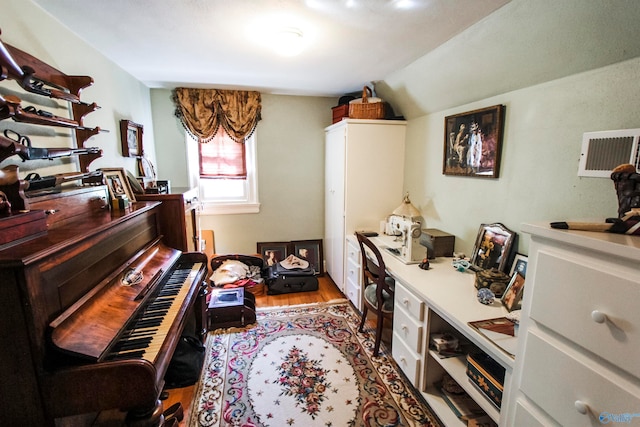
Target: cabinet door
[{"x": 334, "y": 205}]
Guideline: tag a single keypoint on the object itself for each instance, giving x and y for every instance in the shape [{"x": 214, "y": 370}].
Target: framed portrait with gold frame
[{"x": 118, "y": 183}]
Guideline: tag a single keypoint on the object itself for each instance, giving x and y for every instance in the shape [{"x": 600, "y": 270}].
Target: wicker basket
[{"x": 366, "y": 109}]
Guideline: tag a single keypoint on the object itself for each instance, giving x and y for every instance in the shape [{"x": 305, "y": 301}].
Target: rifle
[
  {"x": 21, "y": 146},
  {"x": 25, "y": 77},
  {"x": 36, "y": 182},
  {"x": 10, "y": 108}
]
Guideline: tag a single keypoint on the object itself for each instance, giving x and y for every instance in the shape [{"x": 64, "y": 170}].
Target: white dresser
[
  {"x": 578, "y": 358},
  {"x": 364, "y": 164}
]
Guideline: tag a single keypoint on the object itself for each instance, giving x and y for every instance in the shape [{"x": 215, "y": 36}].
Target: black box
[{"x": 437, "y": 242}]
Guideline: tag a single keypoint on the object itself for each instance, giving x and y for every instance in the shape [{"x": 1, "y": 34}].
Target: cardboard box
[{"x": 437, "y": 242}]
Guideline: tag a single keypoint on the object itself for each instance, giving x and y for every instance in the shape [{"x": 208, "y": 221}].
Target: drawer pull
[
  {"x": 405, "y": 302},
  {"x": 581, "y": 407},
  {"x": 598, "y": 316},
  {"x": 405, "y": 328}
]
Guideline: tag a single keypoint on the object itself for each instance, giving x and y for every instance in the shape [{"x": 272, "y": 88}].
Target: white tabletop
[{"x": 450, "y": 293}]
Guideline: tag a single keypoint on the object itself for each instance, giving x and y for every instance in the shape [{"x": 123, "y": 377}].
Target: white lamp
[{"x": 406, "y": 209}]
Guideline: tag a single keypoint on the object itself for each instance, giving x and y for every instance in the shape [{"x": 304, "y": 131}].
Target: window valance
[{"x": 203, "y": 111}]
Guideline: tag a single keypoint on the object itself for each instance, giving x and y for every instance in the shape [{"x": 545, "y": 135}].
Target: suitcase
[
  {"x": 250, "y": 260},
  {"x": 285, "y": 281}
]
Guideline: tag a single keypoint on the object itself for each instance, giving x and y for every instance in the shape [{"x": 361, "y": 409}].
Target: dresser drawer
[
  {"x": 591, "y": 306},
  {"x": 406, "y": 359},
  {"x": 353, "y": 252},
  {"x": 408, "y": 328},
  {"x": 353, "y": 272},
  {"x": 409, "y": 302},
  {"x": 353, "y": 292},
  {"x": 560, "y": 381},
  {"x": 526, "y": 417}
]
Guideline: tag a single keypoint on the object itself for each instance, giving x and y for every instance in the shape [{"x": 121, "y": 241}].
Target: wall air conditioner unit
[{"x": 603, "y": 151}]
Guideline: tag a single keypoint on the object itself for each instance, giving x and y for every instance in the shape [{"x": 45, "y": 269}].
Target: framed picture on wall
[
  {"x": 472, "y": 143},
  {"x": 273, "y": 252},
  {"x": 493, "y": 246},
  {"x": 310, "y": 250},
  {"x": 131, "y": 138}
]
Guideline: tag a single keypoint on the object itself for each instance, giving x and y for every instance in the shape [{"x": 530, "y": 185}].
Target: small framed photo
[
  {"x": 519, "y": 265},
  {"x": 493, "y": 246},
  {"x": 131, "y": 138},
  {"x": 310, "y": 250},
  {"x": 472, "y": 143},
  {"x": 273, "y": 252},
  {"x": 513, "y": 294},
  {"x": 118, "y": 184}
]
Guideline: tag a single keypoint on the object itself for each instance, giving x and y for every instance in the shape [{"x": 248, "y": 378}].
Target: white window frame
[{"x": 243, "y": 204}]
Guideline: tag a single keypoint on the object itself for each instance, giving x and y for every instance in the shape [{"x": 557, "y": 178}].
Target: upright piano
[{"x": 92, "y": 311}]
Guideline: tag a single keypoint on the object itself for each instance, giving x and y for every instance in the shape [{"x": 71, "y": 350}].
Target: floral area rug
[{"x": 303, "y": 366}]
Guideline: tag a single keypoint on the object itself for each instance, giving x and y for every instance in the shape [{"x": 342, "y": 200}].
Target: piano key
[{"x": 157, "y": 317}]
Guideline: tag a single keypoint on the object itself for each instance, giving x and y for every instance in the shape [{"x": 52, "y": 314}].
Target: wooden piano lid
[{"x": 89, "y": 327}]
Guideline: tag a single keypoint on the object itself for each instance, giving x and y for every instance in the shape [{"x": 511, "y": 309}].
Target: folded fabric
[
  {"x": 229, "y": 271},
  {"x": 293, "y": 261}
]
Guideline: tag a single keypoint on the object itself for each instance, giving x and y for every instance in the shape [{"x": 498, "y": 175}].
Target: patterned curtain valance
[{"x": 203, "y": 111}]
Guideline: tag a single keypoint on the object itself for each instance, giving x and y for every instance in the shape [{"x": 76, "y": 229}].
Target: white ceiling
[{"x": 221, "y": 43}]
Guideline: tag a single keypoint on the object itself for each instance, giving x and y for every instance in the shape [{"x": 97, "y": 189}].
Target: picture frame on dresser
[
  {"x": 473, "y": 142},
  {"x": 493, "y": 246},
  {"x": 310, "y": 250},
  {"x": 273, "y": 252},
  {"x": 118, "y": 183},
  {"x": 519, "y": 264},
  {"x": 513, "y": 294}
]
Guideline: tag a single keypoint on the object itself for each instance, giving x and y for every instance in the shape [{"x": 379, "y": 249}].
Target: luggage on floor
[{"x": 289, "y": 276}]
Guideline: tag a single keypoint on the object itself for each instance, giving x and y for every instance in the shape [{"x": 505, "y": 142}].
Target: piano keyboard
[{"x": 144, "y": 335}]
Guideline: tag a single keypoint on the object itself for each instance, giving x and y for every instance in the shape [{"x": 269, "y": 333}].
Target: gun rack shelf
[{"x": 37, "y": 77}]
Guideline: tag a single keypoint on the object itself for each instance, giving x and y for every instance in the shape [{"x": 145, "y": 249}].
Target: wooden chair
[{"x": 378, "y": 288}]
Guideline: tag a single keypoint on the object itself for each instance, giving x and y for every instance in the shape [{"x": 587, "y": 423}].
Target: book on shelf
[
  {"x": 462, "y": 405},
  {"x": 500, "y": 331}
]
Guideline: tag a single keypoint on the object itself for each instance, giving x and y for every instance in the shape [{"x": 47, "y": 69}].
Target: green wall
[{"x": 290, "y": 152}]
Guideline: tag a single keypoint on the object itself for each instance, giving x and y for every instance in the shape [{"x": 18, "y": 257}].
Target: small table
[{"x": 230, "y": 308}]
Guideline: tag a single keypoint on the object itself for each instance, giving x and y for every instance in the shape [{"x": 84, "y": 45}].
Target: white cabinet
[
  {"x": 580, "y": 333},
  {"x": 364, "y": 164}
]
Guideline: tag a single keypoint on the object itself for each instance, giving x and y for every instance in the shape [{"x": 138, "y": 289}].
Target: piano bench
[{"x": 230, "y": 308}]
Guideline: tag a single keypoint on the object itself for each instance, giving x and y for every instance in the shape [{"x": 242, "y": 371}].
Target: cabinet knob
[
  {"x": 405, "y": 301},
  {"x": 581, "y": 407},
  {"x": 405, "y": 328},
  {"x": 598, "y": 316}
]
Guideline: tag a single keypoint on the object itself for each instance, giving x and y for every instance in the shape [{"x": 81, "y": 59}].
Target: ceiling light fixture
[{"x": 288, "y": 41}]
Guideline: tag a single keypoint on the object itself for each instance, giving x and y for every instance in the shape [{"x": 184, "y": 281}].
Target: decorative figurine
[{"x": 485, "y": 296}]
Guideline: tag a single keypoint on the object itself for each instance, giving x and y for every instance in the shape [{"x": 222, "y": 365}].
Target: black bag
[
  {"x": 284, "y": 281},
  {"x": 188, "y": 358}
]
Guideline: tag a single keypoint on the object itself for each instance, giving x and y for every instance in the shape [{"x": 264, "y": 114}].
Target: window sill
[{"x": 209, "y": 208}]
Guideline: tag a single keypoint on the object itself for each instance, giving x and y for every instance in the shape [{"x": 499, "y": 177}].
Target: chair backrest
[{"x": 374, "y": 270}]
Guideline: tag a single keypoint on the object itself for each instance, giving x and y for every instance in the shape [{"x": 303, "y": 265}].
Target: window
[{"x": 225, "y": 172}]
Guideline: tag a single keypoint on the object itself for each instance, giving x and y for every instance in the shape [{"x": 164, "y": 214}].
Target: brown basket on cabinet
[{"x": 366, "y": 109}]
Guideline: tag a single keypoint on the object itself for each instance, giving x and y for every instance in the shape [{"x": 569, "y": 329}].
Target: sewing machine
[{"x": 407, "y": 232}]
